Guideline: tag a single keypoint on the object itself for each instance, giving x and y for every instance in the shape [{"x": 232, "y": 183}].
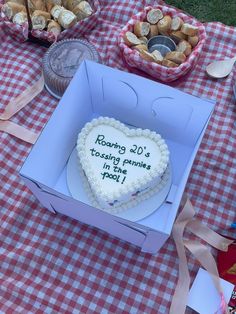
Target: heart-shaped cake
[{"x": 119, "y": 163}]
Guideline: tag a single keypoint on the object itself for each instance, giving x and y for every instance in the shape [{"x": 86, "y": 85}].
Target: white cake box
[{"x": 97, "y": 90}]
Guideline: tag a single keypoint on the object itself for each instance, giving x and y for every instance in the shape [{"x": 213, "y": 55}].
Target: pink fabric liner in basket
[
  {"x": 158, "y": 71},
  {"x": 20, "y": 33}
]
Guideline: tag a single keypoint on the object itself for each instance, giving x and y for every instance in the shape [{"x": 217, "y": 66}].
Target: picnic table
[{"x": 54, "y": 264}]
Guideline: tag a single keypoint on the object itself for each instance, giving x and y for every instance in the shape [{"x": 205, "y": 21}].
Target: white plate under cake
[{"x": 121, "y": 166}]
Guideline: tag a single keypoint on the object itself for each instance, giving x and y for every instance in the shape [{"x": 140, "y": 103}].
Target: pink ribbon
[
  {"x": 16, "y": 105},
  {"x": 200, "y": 251}
]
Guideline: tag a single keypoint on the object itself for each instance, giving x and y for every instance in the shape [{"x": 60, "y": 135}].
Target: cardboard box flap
[
  {"x": 137, "y": 101},
  {"x": 58, "y": 134}
]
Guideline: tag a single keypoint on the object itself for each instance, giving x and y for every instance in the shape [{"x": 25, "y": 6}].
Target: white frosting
[{"x": 121, "y": 164}]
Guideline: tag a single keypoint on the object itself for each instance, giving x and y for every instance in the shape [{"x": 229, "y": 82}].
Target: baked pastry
[
  {"x": 193, "y": 40},
  {"x": 51, "y": 3},
  {"x": 164, "y": 25},
  {"x": 153, "y": 31},
  {"x": 54, "y": 27},
  {"x": 43, "y": 11},
  {"x": 189, "y": 29},
  {"x": 157, "y": 56},
  {"x": 20, "y": 18},
  {"x": 16, "y": 1},
  {"x": 175, "y": 56},
  {"x": 11, "y": 8},
  {"x": 141, "y": 47},
  {"x": 177, "y": 36},
  {"x": 40, "y": 19},
  {"x": 169, "y": 64},
  {"x": 66, "y": 18},
  {"x": 176, "y": 23},
  {"x": 185, "y": 47},
  {"x": 36, "y": 5},
  {"x": 71, "y": 4},
  {"x": 141, "y": 29},
  {"x": 147, "y": 55},
  {"x": 82, "y": 10},
  {"x": 56, "y": 10},
  {"x": 131, "y": 39},
  {"x": 154, "y": 16},
  {"x": 120, "y": 165},
  {"x": 143, "y": 39}
]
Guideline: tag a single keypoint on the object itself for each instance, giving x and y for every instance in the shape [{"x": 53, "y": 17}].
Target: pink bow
[
  {"x": 200, "y": 251},
  {"x": 16, "y": 105}
]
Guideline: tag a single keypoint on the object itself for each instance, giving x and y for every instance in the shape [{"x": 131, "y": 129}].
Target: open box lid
[
  {"x": 98, "y": 90},
  {"x": 177, "y": 116}
]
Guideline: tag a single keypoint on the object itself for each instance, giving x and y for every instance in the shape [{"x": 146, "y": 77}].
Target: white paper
[{"x": 204, "y": 297}]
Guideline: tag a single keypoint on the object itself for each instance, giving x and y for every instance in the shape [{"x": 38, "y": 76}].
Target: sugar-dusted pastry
[
  {"x": 51, "y": 3},
  {"x": 56, "y": 10},
  {"x": 11, "y": 8},
  {"x": 54, "y": 27},
  {"x": 40, "y": 19},
  {"x": 66, "y": 18},
  {"x": 20, "y": 18},
  {"x": 82, "y": 10},
  {"x": 120, "y": 164}
]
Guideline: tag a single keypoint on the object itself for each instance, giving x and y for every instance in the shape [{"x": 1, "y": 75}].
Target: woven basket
[{"x": 158, "y": 71}]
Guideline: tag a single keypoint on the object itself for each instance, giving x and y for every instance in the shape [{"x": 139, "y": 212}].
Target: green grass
[{"x": 209, "y": 11}]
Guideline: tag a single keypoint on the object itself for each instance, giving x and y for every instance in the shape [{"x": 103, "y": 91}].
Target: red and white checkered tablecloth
[{"x": 54, "y": 264}]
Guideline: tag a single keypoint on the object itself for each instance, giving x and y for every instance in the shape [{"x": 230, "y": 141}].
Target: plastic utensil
[{"x": 220, "y": 69}]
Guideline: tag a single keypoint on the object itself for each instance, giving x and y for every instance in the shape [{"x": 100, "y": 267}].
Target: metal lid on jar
[{"x": 62, "y": 60}]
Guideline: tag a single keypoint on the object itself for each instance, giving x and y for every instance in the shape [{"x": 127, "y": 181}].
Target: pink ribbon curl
[
  {"x": 200, "y": 251},
  {"x": 16, "y": 105}
]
